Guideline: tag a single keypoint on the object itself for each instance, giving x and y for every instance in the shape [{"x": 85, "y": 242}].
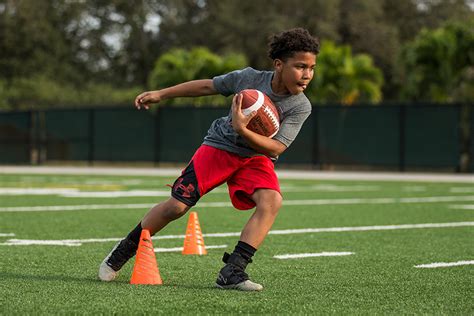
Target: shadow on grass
[
  {"x": 94, "y": 280},
  {"x": 34, "y": 277}
]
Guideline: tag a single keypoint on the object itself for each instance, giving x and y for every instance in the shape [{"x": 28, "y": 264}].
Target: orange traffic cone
[
  {"x": 145, "y": 270},
  {"x": 194, "y": 242}
]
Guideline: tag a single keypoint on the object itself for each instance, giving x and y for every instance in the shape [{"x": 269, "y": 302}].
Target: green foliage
[
  {"x": 439, "y": 64},
  {"x": 79, "y": 45},
  {"x": 34, "y": 40},
  {"x": 180, "y": 65},
  {"x": 343, "y": 78},
  {"x": 41, "y": 92},
  {"x": 54, "y": 54},
  {"x": 340, "y": 77}
]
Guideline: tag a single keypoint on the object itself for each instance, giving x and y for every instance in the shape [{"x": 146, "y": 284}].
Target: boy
[{"x": 233, "y": 154}]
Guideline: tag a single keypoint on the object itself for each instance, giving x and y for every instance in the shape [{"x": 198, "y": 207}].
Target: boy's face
[{"x": 295, "y": 73}]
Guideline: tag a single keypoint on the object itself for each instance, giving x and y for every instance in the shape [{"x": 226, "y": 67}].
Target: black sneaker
[
  {"x": 233, "y": 276},
  {"x": 119, "y": 255}
]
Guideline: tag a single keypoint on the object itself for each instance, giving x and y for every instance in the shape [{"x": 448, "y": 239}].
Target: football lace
[{"x": 272, "y": 116}]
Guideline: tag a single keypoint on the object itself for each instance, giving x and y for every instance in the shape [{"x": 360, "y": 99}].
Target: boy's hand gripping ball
[{"x": 267, "y": 120}]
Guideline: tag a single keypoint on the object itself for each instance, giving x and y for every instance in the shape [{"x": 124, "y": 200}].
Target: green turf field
[{"x": 56, "y": 229}]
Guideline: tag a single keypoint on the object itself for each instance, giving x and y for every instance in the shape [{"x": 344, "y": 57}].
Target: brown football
[{"x": 267, "y": 120}]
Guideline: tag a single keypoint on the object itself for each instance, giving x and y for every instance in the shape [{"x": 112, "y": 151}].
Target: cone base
[
  {"x": 147, "y": 282},
  {"x": 199, "y": 251}
]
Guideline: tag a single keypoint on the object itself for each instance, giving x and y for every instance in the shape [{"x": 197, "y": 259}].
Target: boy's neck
[{"x": 278, "y": 87}]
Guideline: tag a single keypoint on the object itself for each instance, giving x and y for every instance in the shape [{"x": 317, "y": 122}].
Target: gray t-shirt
[{"x": 293, "y": 111}]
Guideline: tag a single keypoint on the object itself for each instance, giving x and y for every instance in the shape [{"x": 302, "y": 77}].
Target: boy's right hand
[{"x": 146, "y": 98}]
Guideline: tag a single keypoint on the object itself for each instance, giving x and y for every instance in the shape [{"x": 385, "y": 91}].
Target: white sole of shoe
[
  {"x": 106, "y": 273},
  {"x": 247, "y": 286}
]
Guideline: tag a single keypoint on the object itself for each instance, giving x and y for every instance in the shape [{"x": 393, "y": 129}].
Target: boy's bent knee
[
  {"x": 175, "y": 209},
  {"x": 267, "y": 198}
]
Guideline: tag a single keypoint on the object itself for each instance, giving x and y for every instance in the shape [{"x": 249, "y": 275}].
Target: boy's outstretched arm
[
  {"x": 260, "y": 143},
  {"x": 194, "y": 88}
]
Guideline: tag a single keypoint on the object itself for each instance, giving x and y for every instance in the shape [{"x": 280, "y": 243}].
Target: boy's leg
[
  {"x": 268, "y": 203},
  {"x": 209, "y": 165},
  {"x": 232, "y": 275},
  {"x": 157, "y": 218},
  {"x": 160, "y": 215}
]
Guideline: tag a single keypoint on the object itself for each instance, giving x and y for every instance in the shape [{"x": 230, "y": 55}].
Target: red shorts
[{"x": 211, "y": 167}]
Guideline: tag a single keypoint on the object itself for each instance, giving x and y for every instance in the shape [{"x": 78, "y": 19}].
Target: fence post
[
  {"x": 156, "y": 147},
  {"x": 465, "y": 131},
  {"x": 91, "y": 138},
  {"x": 43, "y": 137},
  {"x": 315, "y": 150},
  {"x": 33, "y": 153},
  {"x": 401, "y": 136}
]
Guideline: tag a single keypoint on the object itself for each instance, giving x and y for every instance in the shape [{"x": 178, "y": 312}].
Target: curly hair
[{"x": 285, "y": 44}]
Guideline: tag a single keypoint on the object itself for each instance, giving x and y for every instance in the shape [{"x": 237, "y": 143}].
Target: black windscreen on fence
[
  {"x": 365, "y": 135},
  {"x": 395, "y": 136},
  {"x": 301, "y": 151},
  {"x": 67, "y": 134},
  {"x": 432, "y": 136},
  {"x": 15, "y": 129},
  {"x": 182, "y": 130},
  {"x": 123, "y": 135}
]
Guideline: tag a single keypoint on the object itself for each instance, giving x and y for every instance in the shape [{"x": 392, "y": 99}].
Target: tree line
[{"x": 56, "y": 53}]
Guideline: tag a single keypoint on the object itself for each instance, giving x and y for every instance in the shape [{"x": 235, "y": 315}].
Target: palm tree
[{"x": 341, "y": 77}]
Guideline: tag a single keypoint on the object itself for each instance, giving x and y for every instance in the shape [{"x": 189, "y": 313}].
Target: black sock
[
  {"x": 245, "y": 250},
  {"x": 134, "y": 235}
]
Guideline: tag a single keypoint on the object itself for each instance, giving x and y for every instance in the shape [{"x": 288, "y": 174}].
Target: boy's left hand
[{"x": 239, "y": 119}]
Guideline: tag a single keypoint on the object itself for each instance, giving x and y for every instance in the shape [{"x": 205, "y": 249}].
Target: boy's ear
[{"x": 277, "y": 64}]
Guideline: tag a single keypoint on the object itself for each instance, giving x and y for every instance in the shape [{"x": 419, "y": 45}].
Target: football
[{"x": 267, "y": 120}]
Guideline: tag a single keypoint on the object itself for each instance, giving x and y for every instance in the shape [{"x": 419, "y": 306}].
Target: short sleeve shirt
[{"x": 293, "y": 111}]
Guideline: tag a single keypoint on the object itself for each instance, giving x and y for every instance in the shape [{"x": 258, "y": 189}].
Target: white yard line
[
  {"x": 376, "y": 176},
  {"x": 58, "y": 242},
  {"x": 445, "y": 264},
  {"x": 414, "y": 188},
  {"x": 179, "y": 249},
  {"x": 76, "y": 193},
  {"x": 329, "y": 188},
  {"x": 309, "y": 255},
  {"x": 56, "y": 208},
  {"x": 173, "y": 172},
  {"x": 283, "y": 174},
  {"x": 36, "y": 191},
  {"x": 369, "y": 228},
  {"x": 389, "y": 200},
  {"x": 462, "y": 207},
  {"x": 6, "y": 235},
  {"x": 78, "y": 242}
]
